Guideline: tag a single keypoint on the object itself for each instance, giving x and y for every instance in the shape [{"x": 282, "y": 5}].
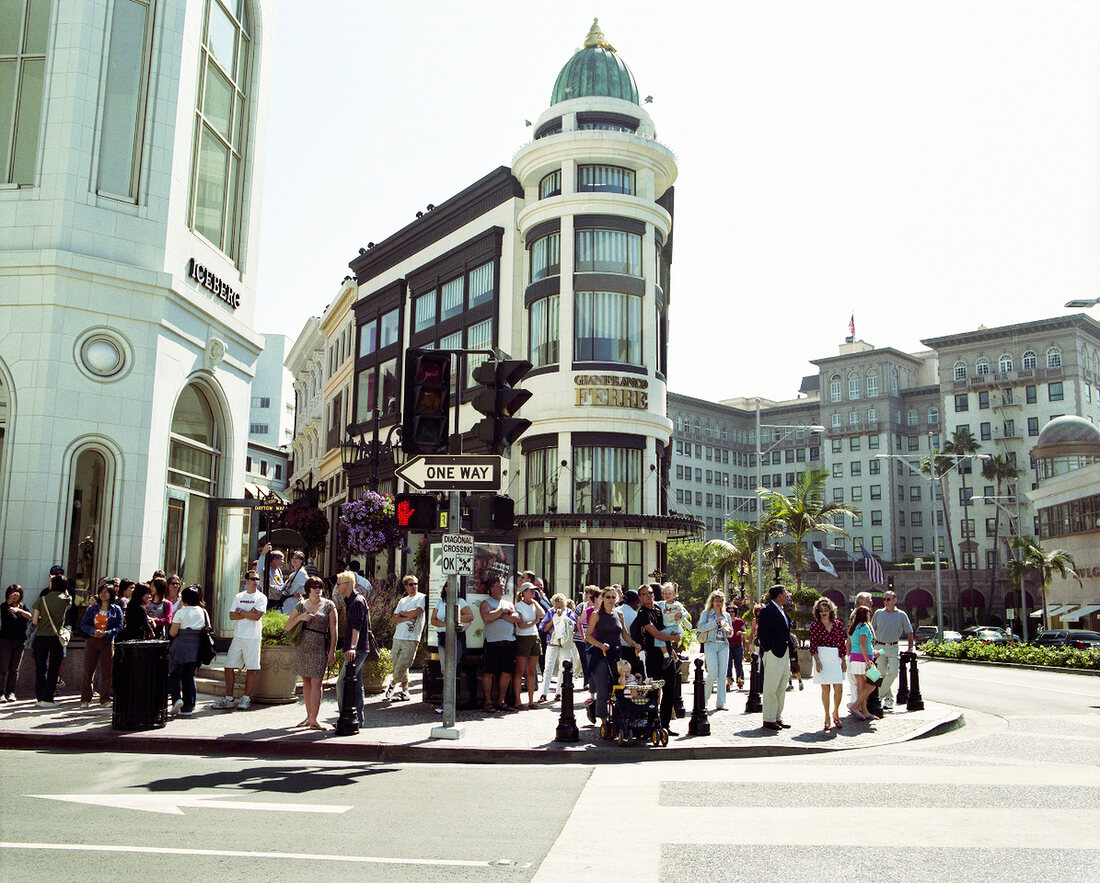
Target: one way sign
[{"x": 443, "y": 472}]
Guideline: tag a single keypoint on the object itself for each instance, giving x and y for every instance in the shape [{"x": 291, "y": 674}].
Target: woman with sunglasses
[{"x": 828, "y": 647}]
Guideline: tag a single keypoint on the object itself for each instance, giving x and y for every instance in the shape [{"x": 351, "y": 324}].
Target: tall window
[
  {"x": 872, "y": 384},
  {"x": 546, "y": 257},
  {"x": 1054, "y": 357},
  {"x": 550, "y": 185},
  {"x": 1029, "y": 360},
  {"x": 122, "y": 135},
  {"x": 221, "y": 126},
  {"x": 933, "y": 415},
  {"x": 542, "y": 480},
  {"x": 981, "y": 367},
  {"x": 834, "y": 388},
  {"x": 959, "y": 372},
  {"x": 424, "y": 315},
  {"x": 607, "y": 480},
  {"x": 24, "y": 31},
  {"x": 853, "y": 385},
  {"x": 609, "y": 251},
  {"x": 478, "y": 337},
  {"x": 1004, "y": 364},
  {"x": 544, "y": 336},
  {"x": 608, "y": 327},
  {"x": 605, "y": 179}
]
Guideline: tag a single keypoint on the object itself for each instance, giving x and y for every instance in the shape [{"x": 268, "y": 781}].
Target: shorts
[
  {"x": 244, "y": 653},
  {"x": 499, "y": 657},
  {"x": 402, "y": 654},
  {"x": 527, "y": 646}
]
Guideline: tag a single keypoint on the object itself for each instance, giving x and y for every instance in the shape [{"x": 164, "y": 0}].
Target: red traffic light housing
[
  {"x": 425, "y": 417},
  {"x": 419, "y": 512}
]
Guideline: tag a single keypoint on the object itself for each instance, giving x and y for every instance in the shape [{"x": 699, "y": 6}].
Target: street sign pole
[{"x": 448, "y": 730}]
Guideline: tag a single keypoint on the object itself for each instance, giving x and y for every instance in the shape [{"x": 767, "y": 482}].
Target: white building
[
  {"x": 271, "y": 418},
  {"x": 131, "y": 166}
]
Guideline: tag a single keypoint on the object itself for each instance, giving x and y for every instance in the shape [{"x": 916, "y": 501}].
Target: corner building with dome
[{"x": 564, "y": 260}]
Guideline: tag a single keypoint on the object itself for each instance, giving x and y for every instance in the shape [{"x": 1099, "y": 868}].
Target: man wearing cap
[{"x": 889, "y": 624}]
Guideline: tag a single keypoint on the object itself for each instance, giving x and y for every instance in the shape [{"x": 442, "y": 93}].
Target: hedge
[{"x": 1025, "y": 654}]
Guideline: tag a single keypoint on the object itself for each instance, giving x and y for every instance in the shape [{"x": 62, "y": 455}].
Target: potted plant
[
  {"x": 277, "y": 682},
  {"x": 375, "y": 672}
]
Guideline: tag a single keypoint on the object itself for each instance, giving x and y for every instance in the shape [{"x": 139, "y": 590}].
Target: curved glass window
[
  {"x": 1029, "y": 360},
  {"x": 608, "y": 327},
  {"x": 609, "y": 251},
  {"x": 550, "y": 185},
  {"x": 1054, "y": 357},
  {"x": 1004, "y": 364},
  {"x": 981, "y": 367},
  {"x": 544, "y": 337},
  {"x": 194, "y": 447},
  {"x": 542, "y": 479},
  {"x": 221, "y": 126},
  {"x": 959, "y": 372},
  {"x": 24, "y": 33},
  {"x": 607, "y": 480},
  {"x": 546, "y": 257},
  {"x": 604, "y": 179}
]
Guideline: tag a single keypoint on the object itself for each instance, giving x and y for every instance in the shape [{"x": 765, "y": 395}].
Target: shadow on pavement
[{"x": 275, "y": 779}]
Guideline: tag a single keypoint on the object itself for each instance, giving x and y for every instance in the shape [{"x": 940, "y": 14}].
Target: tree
[
  {"x": 687, "y": 567},
  {"x": 997, "y": 469},
  {"x": 1031, "y": 556},
  {"x": 963, "y": 444},
  {"x": 805, "y": 511},
  {"x": 734, "y": 560}
]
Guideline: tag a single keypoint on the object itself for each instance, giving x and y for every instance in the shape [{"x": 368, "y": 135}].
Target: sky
[{"x": 926, "y": 167}]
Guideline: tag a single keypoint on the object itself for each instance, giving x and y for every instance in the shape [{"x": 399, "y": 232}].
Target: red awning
[
  {"x": 972, "y": 598},
  {"x": 1012, "y": 599},
  {"x": 918, "y": 598}
]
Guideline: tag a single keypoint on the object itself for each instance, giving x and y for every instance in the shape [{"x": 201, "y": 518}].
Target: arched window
[
  {"x": 88, "y": 519},
  {"x": 834, "y": 388},
  {"x": 1029, "y": 361},
  {"x": 698, "y": 427},
  {"x": 853, "y": 385},
  {"x": 1054, "y": 357},
  {"x": 1004, "y": 364},
  {"x": 933, "y": 415},
  {"x": 893, "y": 381},
  {"x": 959, "y": 371},
  {"x": 911, "y": 417},
  {"x": 872, "y": 383},
  {"x": 981, "y": 367},
  {"x": 221, "y": 126}
]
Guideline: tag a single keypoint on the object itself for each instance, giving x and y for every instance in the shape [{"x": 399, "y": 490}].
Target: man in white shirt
[
  {"x": 408, "y": 617},
  {"x": 246, "y": 611}
]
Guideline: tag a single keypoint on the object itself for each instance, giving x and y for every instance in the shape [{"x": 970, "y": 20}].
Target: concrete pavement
[{"x": 401, "y": 731}]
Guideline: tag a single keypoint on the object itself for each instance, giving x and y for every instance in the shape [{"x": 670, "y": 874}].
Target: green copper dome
[{"x": 595, "y": 70}]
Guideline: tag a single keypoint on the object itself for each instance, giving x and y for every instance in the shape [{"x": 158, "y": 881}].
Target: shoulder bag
[
  {"x": 206, "y": 652},
  {"x": 64, "y": 634}
]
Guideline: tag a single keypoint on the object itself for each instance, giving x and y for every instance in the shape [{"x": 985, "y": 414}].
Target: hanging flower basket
[
  {"x": 311, "y": 523},
  {"x": 368, "y": 526}
]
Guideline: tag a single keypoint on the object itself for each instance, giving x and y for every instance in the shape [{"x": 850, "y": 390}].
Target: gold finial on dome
[{"x": 596, "y": 38}]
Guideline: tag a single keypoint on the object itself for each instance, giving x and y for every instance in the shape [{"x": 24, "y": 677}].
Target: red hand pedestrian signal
[
  {"x": 405, "y": 511},
  {"x": 419, "y": 512}
]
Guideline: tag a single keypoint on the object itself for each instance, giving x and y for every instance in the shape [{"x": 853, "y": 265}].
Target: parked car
[
  {"x": 1079, "y": 638},
  {"x": 926, "y": 633},
  {"x": 989, "y": 634},
  {"x": 950, "y": 636}
]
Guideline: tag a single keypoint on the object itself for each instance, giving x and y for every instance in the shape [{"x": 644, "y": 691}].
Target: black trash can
[{"x": 140, "y": 685}]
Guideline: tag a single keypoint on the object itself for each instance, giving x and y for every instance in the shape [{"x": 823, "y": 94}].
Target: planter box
[
  {"x": 277, "y": 680},
  {"x": 806, "y": 663}
]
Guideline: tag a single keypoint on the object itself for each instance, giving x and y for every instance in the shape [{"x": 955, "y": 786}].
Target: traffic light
[
  {"x": 425, "y": 415},
  {"x": 417, "y": 512},
  {"x": 492, "y": 512},
  {"x": 499, "y": 400}
]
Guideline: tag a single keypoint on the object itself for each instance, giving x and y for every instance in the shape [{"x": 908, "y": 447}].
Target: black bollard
[
  {"x": 903, "y": 681},
  {"x": 915, "y": 703},
  {"x": 348, "y": 722},
  {"x": 567, "y": 722},
  {"x": 699, "y": 725},
  {"x": 753, "y": 705}
]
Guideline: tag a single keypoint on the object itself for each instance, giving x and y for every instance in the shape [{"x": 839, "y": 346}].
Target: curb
[
  {"x": 325, "y": 749},
  {"x": 1093, "y": 672}
]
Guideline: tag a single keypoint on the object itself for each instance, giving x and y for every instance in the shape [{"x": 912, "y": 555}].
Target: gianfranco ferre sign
[
  {"x": 214, "y": 284},
  {"x": 612, "y": 391}
]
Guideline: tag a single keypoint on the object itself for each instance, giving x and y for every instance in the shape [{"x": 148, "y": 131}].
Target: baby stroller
[{"x": 636, "y": 713}]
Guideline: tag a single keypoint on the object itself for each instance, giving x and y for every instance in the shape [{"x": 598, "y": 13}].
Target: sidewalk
[{"x": 401, "y": 732}]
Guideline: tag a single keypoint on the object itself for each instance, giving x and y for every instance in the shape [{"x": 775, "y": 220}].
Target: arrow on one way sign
[{"x": 458, "y": 472}]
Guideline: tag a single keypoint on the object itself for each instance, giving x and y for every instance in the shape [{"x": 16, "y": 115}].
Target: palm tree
[
  {"x": 941, "y": 468},
  {"x": 1030, "y": 555},
  {"x": 805, "y": 511},
  {"x": 728, "y": 558},
  {"x": 963, "y": 444},
  {"x": 999, "y": 470}
]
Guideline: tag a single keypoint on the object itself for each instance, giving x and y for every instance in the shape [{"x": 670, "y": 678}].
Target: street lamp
[
  {"x": 933, "y": 457},
  {"x": 1082, "y": 303},
  {"x": 1023, "y": 589},
  {"x": 813, "y": 427},
  {"x": 354, "y": 451}
]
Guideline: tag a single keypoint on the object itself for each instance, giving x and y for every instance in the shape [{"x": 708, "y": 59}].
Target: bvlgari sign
[
  {"x": 214, "y": 284},
  {"x": 612, "y": 391}
]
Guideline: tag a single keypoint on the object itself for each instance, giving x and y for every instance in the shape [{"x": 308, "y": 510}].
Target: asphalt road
[{"x": 1015, "y": 795}]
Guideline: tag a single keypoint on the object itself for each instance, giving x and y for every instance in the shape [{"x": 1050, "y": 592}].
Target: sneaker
[
  {"x": 888, "y": 704},
  {"x": 389, "y": 692},
  {"x": 11, "y": 697},
  {"x": 42, "y": 703},
  {"x": 402, "y": 696},
  {"x": 187, "y": 713},
  {"x": 176, "y": 706},
  {"x": 84, "y": 704},
  {"x": 4, "y": 698},
  {"x": 225, "y": 702},
  {"x": 244, "y": 703},
  {"x": 439, "y": 709}
]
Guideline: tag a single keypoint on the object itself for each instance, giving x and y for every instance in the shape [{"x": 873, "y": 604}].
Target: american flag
[
  {"x": 852, "y": 325},
  {"x": 874, "y": 569}
]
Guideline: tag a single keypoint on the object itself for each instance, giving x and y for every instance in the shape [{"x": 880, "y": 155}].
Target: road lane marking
[
  {"x": 171, "y": 804},
  {"x": 230, "y": 853}
]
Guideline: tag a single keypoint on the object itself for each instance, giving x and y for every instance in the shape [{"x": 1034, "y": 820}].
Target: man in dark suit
[{"x": 773, "y": 630}]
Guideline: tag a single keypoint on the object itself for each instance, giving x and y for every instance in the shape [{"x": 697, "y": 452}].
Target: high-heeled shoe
[
  {"x": 827, "y": 725},
  {"x": 837, "y": 723}
]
